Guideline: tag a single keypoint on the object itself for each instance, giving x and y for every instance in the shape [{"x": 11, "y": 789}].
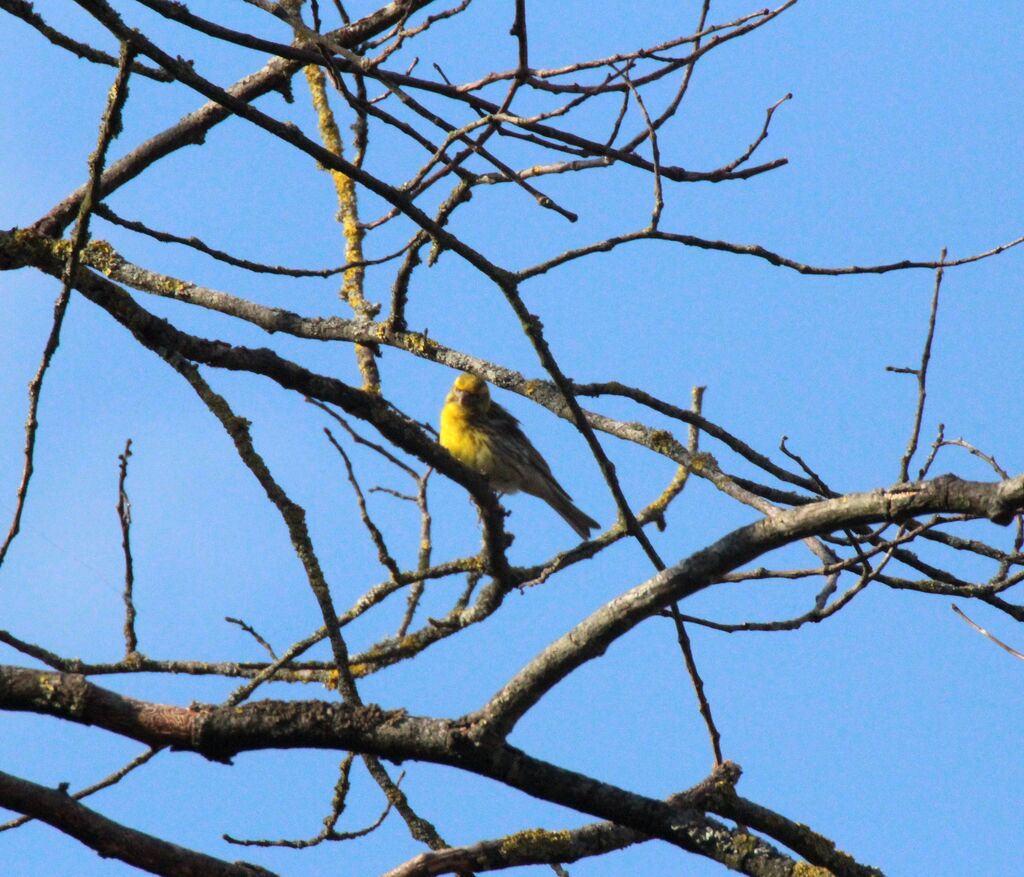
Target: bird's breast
[{"x": 464, "y": 440}]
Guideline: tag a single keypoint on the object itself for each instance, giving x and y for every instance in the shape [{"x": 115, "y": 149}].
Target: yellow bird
[{"x": 482, "y": 435}]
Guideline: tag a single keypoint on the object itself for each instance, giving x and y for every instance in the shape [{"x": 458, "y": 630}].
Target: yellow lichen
[
  {"x": 663, "y": 442},
  {"x": 25, "y": 236},
  {"x": 421, "y": 345},
  {"x": 534, "y": 842},
  {"x": 743, "y": 845},
  {"x": 700, "y": 462},
  {"x": 100, "y": 255},
  {"x": 670, "y": 492},
  {"x": 533, "y": 387},
  {"x": 803, "y": 869},
  {"x": 348, "y": 215},
  {"x": 408, "y": 643}
]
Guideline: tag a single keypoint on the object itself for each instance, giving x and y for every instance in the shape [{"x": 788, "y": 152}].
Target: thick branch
[
  {"x": 111, "y": 839},
  {"x": 219, "y": 733},
  {"x": 997, "y": 501}
]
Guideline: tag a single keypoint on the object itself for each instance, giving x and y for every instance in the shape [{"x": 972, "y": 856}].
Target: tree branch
[{"x": 111, "y": 839}]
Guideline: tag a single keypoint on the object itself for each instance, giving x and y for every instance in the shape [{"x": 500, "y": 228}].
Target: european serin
[{"x": 482, "y": 435}]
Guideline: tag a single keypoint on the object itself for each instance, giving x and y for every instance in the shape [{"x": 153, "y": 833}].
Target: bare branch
[
  {"x": 191, "y": 129},
  {"x": 755, "y": 250},
  {"x": 256, "y": 267},
  {"x": 110, "y": 127},
  {"x": 111, "y": 839},
  {"x": 220, "y": 732},
  {"x": 293, "y": 515},
  {"x": 105, "y": 783},
  {"x": 998, "y": 501},
  {"x": 254, "y": 634},
  {"x": 24, "y": 10},
  {"x": 124, "y": 514},
  {"x": 985, "y": 633},
  {"x": 922, "y": 374}
]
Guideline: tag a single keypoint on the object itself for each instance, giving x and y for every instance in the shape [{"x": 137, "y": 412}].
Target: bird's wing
[{"x": 511, "y": 425}]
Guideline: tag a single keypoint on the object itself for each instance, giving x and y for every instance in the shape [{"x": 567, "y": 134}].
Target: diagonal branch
[
  {"x": 590, "y": 638},
  {"x": 191, "y": 129},
  {"x": 289, "y": 133},
  {"x": 292, "y": 514},
  {"x": 110, "y": 127},
  {"x": 111, "y": 839},
  {"x": 23, "y": 9},
  {"x": 160, "y": 336}
]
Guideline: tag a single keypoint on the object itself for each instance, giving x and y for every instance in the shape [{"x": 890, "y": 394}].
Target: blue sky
[{"x": 892, "y": 728}]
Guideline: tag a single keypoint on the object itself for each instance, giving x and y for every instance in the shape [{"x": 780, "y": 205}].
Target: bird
[{"x": 483, "y": 436}]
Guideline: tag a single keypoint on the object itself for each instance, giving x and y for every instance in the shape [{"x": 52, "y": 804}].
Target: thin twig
[
  {"x": 329, "y": 831},
  {"x": 659, "y": 200},
  {"x": 110, "y": 127},
  {"x": 253, "y": 633},
  {"x": 104, "y": 783},
  {"x": 293, "y": 515},
  {"x": 922, "y": 374},
  {"x": 697, "y": 398},
  {"x": 745, "y": 157},
  {"x": 360, "y": 440},
  {"x": 984, "y": 632},
  {"x": 755, "y": 250},
  {"x": 423, "y": 556},
  {"x": 935, "y": 448},
  {"x": 821, "y": 609},
  {"x": 23, "y": 10},
  {"x": 124, "y": 514},
  {"x": 256, "y": 267},
  {"x": 383, "y": 555}
]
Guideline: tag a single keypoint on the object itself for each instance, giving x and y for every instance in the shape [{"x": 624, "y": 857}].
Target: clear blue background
[{"x": 893, "y": 728}]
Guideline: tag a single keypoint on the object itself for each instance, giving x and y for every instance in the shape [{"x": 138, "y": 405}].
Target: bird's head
[{"x": 471, "y": 393}]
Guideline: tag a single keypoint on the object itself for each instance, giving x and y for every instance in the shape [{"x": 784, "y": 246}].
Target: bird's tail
[{"x": 562, "y": 503}]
